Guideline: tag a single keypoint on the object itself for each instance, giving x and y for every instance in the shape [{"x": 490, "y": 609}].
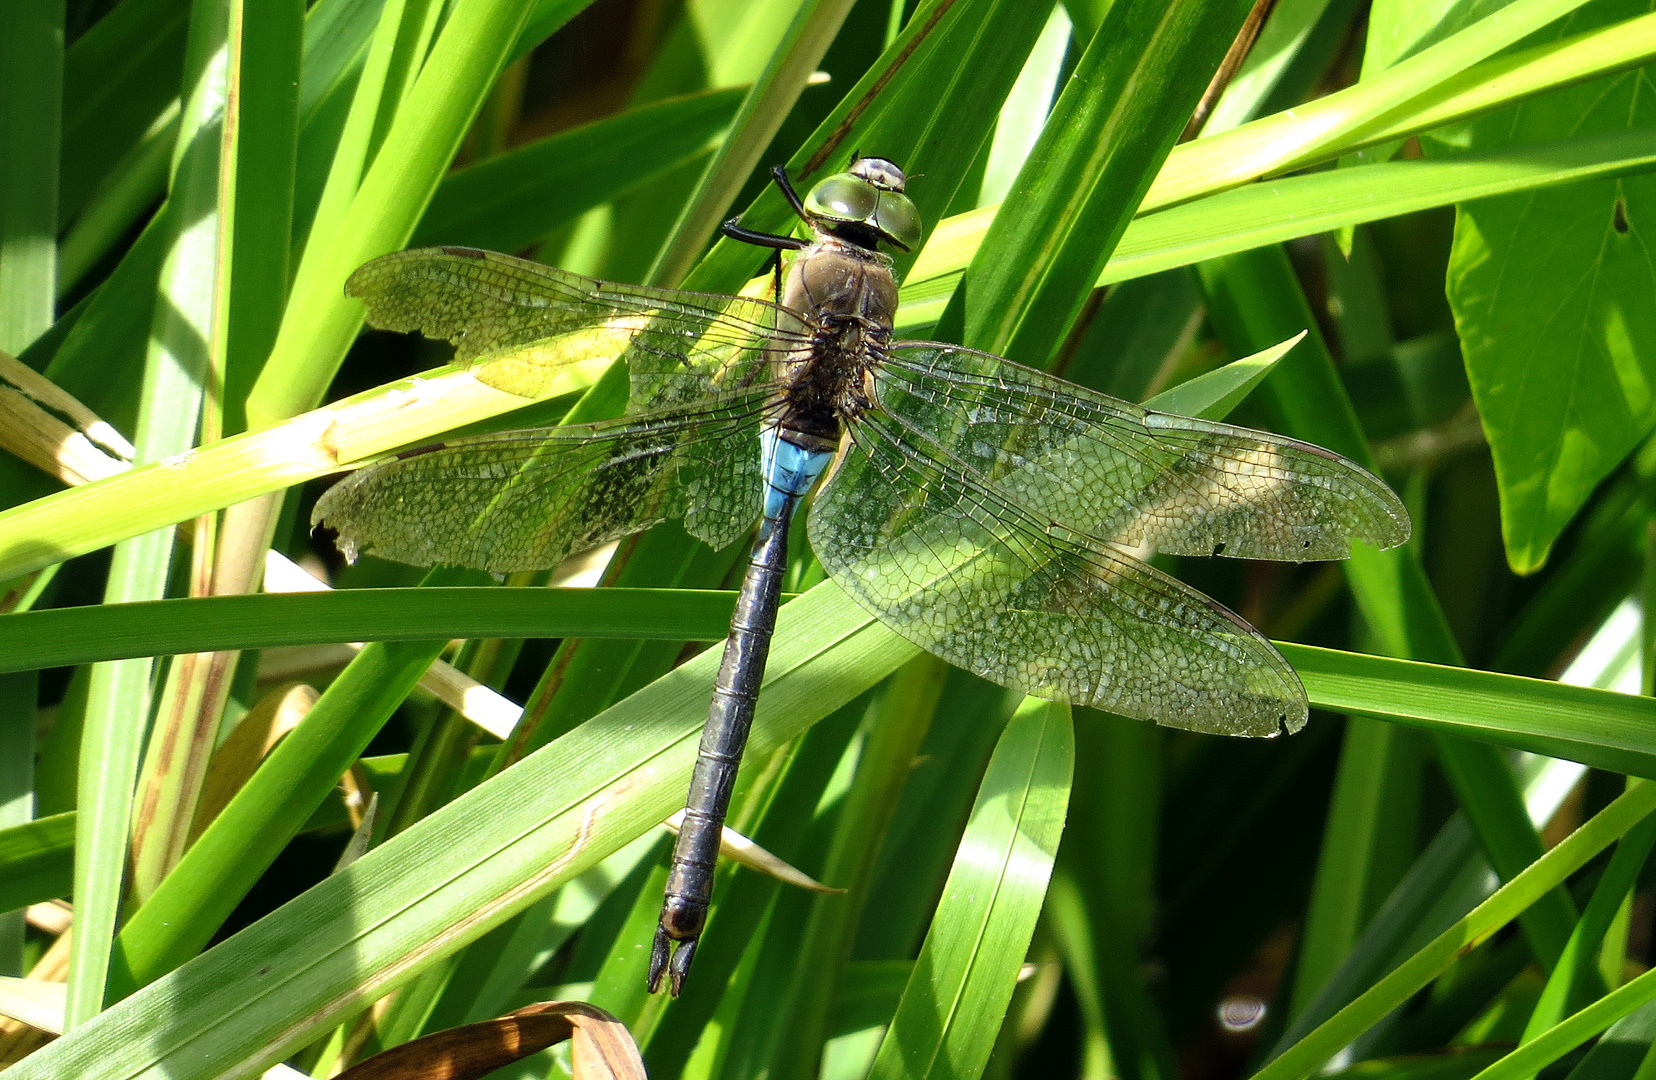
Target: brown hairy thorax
[{"x": 850, "y": 294}]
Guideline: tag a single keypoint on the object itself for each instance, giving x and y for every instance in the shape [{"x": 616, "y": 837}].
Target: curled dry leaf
[{"x": 601, "y": 1047}]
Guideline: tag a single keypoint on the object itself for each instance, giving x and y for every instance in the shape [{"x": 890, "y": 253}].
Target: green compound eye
[
  {"x": 898, "y": 220},
  {"x": 846, "y": 198},
  {"x": 843, "y": 197}
]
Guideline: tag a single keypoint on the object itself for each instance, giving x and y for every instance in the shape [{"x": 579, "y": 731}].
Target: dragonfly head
[{"x": 865, "y": 204}]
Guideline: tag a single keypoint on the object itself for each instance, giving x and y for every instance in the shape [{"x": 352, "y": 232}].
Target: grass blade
[{"x": 950, "y": 1013}]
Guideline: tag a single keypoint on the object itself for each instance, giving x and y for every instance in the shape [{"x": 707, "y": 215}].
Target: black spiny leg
[
  {"x": 760, "y": 239},
  {"x": 734, "y": 230},
  {"x": 779, "y": 173}
]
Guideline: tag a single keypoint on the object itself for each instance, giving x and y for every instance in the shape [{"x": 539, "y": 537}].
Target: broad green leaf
[{"x": 1550, "y": 293}]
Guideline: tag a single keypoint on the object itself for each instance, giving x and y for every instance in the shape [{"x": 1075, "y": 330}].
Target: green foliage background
[{"x": 1443, "y": 875}]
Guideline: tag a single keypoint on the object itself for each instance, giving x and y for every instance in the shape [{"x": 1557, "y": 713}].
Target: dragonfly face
[{"x": 980, "y": 508}]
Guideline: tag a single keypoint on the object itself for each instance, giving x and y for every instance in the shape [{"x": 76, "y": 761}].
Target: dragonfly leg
[
  {"x": 779, "y": 173},
  {"x": 761, "y": 239}
]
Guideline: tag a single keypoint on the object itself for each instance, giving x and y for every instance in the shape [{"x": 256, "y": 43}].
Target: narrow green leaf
[
  {"x": 320, "y": 320},
  {"x": 511, "y": 200},
  {"x": 283, "y": 982},
  {"x": 763, "y": 109},
  {"x": 184, "y": 340},
  {"x": 1569, "y": 985},
  {"x": 119, "y": 76},
  {"x": 1596, "y": 727},
  {"x": 1446, "y": 881},
  {"x": 1255, "y": 299},
  {"x": 892, "y": 730},
  {"x": 1308, "y": 1054},
  {"x": 1097, "y": 155},
  {"x": 1572, "y": 1032},
  {"x": 1344, "y": 895},
  {"x": 18, "y": 704},
  {"x": 1276, "y": 210},
  {"x": 37, "y": 861},
  {"x": 192, "y": 902},
  {"x": 31, "y": 117},
  {"x": 952, "y": 1008}
]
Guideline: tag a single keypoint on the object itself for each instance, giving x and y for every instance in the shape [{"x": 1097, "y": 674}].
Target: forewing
[
  {"x": 525, "y": 499},
  {"x": 1124, "y": 473},
  {"x": 937, "y": 552},
  {"x": 522, "y": 325}
]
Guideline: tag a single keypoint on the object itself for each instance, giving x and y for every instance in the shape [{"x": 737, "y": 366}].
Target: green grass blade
[
  {"x": 896, "y": 723},
  {"x": 929, "y": 102},
  {"x": 36, "y": 860},
  {"x": 191, "y": 903},
  {"x": 1189, "y": 174},
  {"x": 31, "y": 117},
  {"x": 86, "y": 518},
  {"x": 1344, "y": 895},
  {"x": 766, "y": 105},
  {"x": 239, "y": 315},
  {"x": 320, "y": 320},
  {"x": 119, "y": 77},
  {"x": 1072, "y": 200},
  {"x": 1255, "y": 299},
  {"x": 1276, "y": 210},
  {"x": 19, "y": 696},
  {"x": 1309, "y": 1053},
  {"x": 1568, "y": 1034},
  {"x": 1101, "y": 910},
  {"x": 509, "y": 201},
  {"x": 1285, "y": 34},
  {"x": 185, "y": 349},
  {"x": 1302, "y": 136},
  {"x": 283, "y": 982},
  {"x": 1568, "y": 986},
  {"x": 1597, "y": 727},
  {"x": 951, "y": 1010}
]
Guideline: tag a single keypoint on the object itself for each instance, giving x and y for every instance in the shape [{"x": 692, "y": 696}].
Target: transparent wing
[
  {"x": 522, "y": 325},
  {"x": 1120, "y": 472},
  {"x": 524, "y": 499},
  {"x": 941, "y": 554}
]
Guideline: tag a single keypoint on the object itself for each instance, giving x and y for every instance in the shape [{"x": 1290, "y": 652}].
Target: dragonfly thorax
[{"x": 848, "y": 296}]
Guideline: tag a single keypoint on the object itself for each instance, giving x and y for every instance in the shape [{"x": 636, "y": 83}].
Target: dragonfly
[{"x": 989, "y": 512}]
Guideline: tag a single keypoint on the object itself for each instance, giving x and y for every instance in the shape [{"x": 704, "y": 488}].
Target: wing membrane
[
  {"x": 525, "y": 499},
  {"x": 937, "y": 551},
  {"x": 522, "y": 325},
  {"x": 1120, "y": 472}
]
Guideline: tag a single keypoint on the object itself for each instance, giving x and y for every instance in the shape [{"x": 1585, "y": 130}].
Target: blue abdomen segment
[{"x": 789, "y": 470}]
